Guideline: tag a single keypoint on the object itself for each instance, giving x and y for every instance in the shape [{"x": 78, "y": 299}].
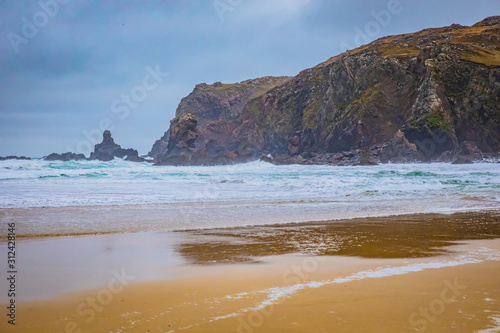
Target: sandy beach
[
  {"x": 415, "y": 273},
  {"x": 241, "y": 166},
  {"x": 279, "y": 295}
]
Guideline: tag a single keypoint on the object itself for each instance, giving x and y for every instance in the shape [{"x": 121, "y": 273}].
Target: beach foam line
[
  {"x": 276, "y": 294},
  {"x": 496, "y": 329}
]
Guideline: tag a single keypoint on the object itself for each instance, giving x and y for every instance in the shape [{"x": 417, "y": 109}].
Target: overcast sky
[{"x": 70, "y": 69}]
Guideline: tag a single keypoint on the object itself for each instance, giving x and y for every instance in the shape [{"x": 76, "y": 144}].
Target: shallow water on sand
[
  {"x": 52, "y": 265},
  {"x": 405, "y": 236}
]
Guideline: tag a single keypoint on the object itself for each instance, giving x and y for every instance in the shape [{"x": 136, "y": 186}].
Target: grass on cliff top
[
  {"x": 405, "y": 46},
  {"x": 260, "y": 88},
  {"x": 480, "y": 55}
]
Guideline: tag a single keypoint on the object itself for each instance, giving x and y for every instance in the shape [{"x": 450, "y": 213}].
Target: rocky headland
[
  {"x": 432, "y": 95},
  {"x": 429, "y": 96}
]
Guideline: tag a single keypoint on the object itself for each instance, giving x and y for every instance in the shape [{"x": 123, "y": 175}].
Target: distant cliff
[{"x": 433, "y": 95}]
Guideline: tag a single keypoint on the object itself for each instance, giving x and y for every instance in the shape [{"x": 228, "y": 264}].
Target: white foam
[
  {"x": 275, "y": 294},
  {"x": 44, "y": 183},
  {"x": 249, "y": 194},
  {"x": 495, "y": 329}
]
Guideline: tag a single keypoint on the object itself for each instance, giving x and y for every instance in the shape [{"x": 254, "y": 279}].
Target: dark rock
[
  {"x": 285, "y": 160},
  {"x": 338, "y": 156},
  {"x": 183, "y": 134},
  {"x": 160, "y": 146},
  {"x": 470, "y": 149},
  {"x": 307, "y": 155},
  {"x": 467, "y": 153},
  {"x": 11, "y": 157},
  {"x": 364, "y": 157},
  {"x": 267, "y": 158},
  {"x": 447, "y": 156},
  {"x": 293, "y": 145},
  {"x": 107, "y": 150},
  {"x": 105, "y": 157},
  {"x": 208, "y": 138},
  {"x": 135, "y": 157},
  {"x": 69, "y": 156},
  {"x": 463, "y": 160},
  {"x": 399, "y": 150}
]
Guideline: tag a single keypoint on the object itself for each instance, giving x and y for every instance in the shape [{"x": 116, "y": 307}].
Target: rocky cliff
[
  {"x": 201, "y": 132},
  {"x": 425, "y": 96}
]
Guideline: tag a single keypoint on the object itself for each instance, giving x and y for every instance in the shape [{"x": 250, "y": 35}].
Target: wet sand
[
  {"x": 226, "y": 298},
  {"x": 415, "y": 273}
]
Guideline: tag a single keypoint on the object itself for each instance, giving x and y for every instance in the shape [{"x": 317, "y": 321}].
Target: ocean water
[{"x": 172, "y": 198}]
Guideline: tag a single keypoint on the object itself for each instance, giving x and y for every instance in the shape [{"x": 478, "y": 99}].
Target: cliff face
[
  {"x": 401, "y": 98},
  {"x": 201, "y": 132}
]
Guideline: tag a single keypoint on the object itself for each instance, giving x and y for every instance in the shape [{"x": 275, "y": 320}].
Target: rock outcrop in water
[
  {"x": 12, "y": 157},
  {"x": 433, "y": 95},
  {"x": 65, "y": 157},
  {"x": 107, "y": 150}
]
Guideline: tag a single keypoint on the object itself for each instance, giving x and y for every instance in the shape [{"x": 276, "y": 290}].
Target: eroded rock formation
[{"x": 426, "y": 96}]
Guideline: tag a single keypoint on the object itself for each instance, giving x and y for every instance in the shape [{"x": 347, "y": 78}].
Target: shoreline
[
  {"x": 348, "y": 294},
  {"x": 85, "y": 217},
  {"x": 86, "y": 260},
  {"x": 350, "y": 275}
]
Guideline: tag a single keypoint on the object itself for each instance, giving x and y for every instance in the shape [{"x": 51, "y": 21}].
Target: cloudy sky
[{"x": 69, "y": 69}]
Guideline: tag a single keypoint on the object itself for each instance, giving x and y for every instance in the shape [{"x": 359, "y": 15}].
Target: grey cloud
[{"x": 63, "y": 81}]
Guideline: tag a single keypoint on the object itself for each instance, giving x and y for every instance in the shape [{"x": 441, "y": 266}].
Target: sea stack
[{"x": 107, "y": 150}]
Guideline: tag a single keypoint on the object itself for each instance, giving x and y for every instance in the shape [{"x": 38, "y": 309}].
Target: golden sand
[{"x": 224, "y": 298}]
